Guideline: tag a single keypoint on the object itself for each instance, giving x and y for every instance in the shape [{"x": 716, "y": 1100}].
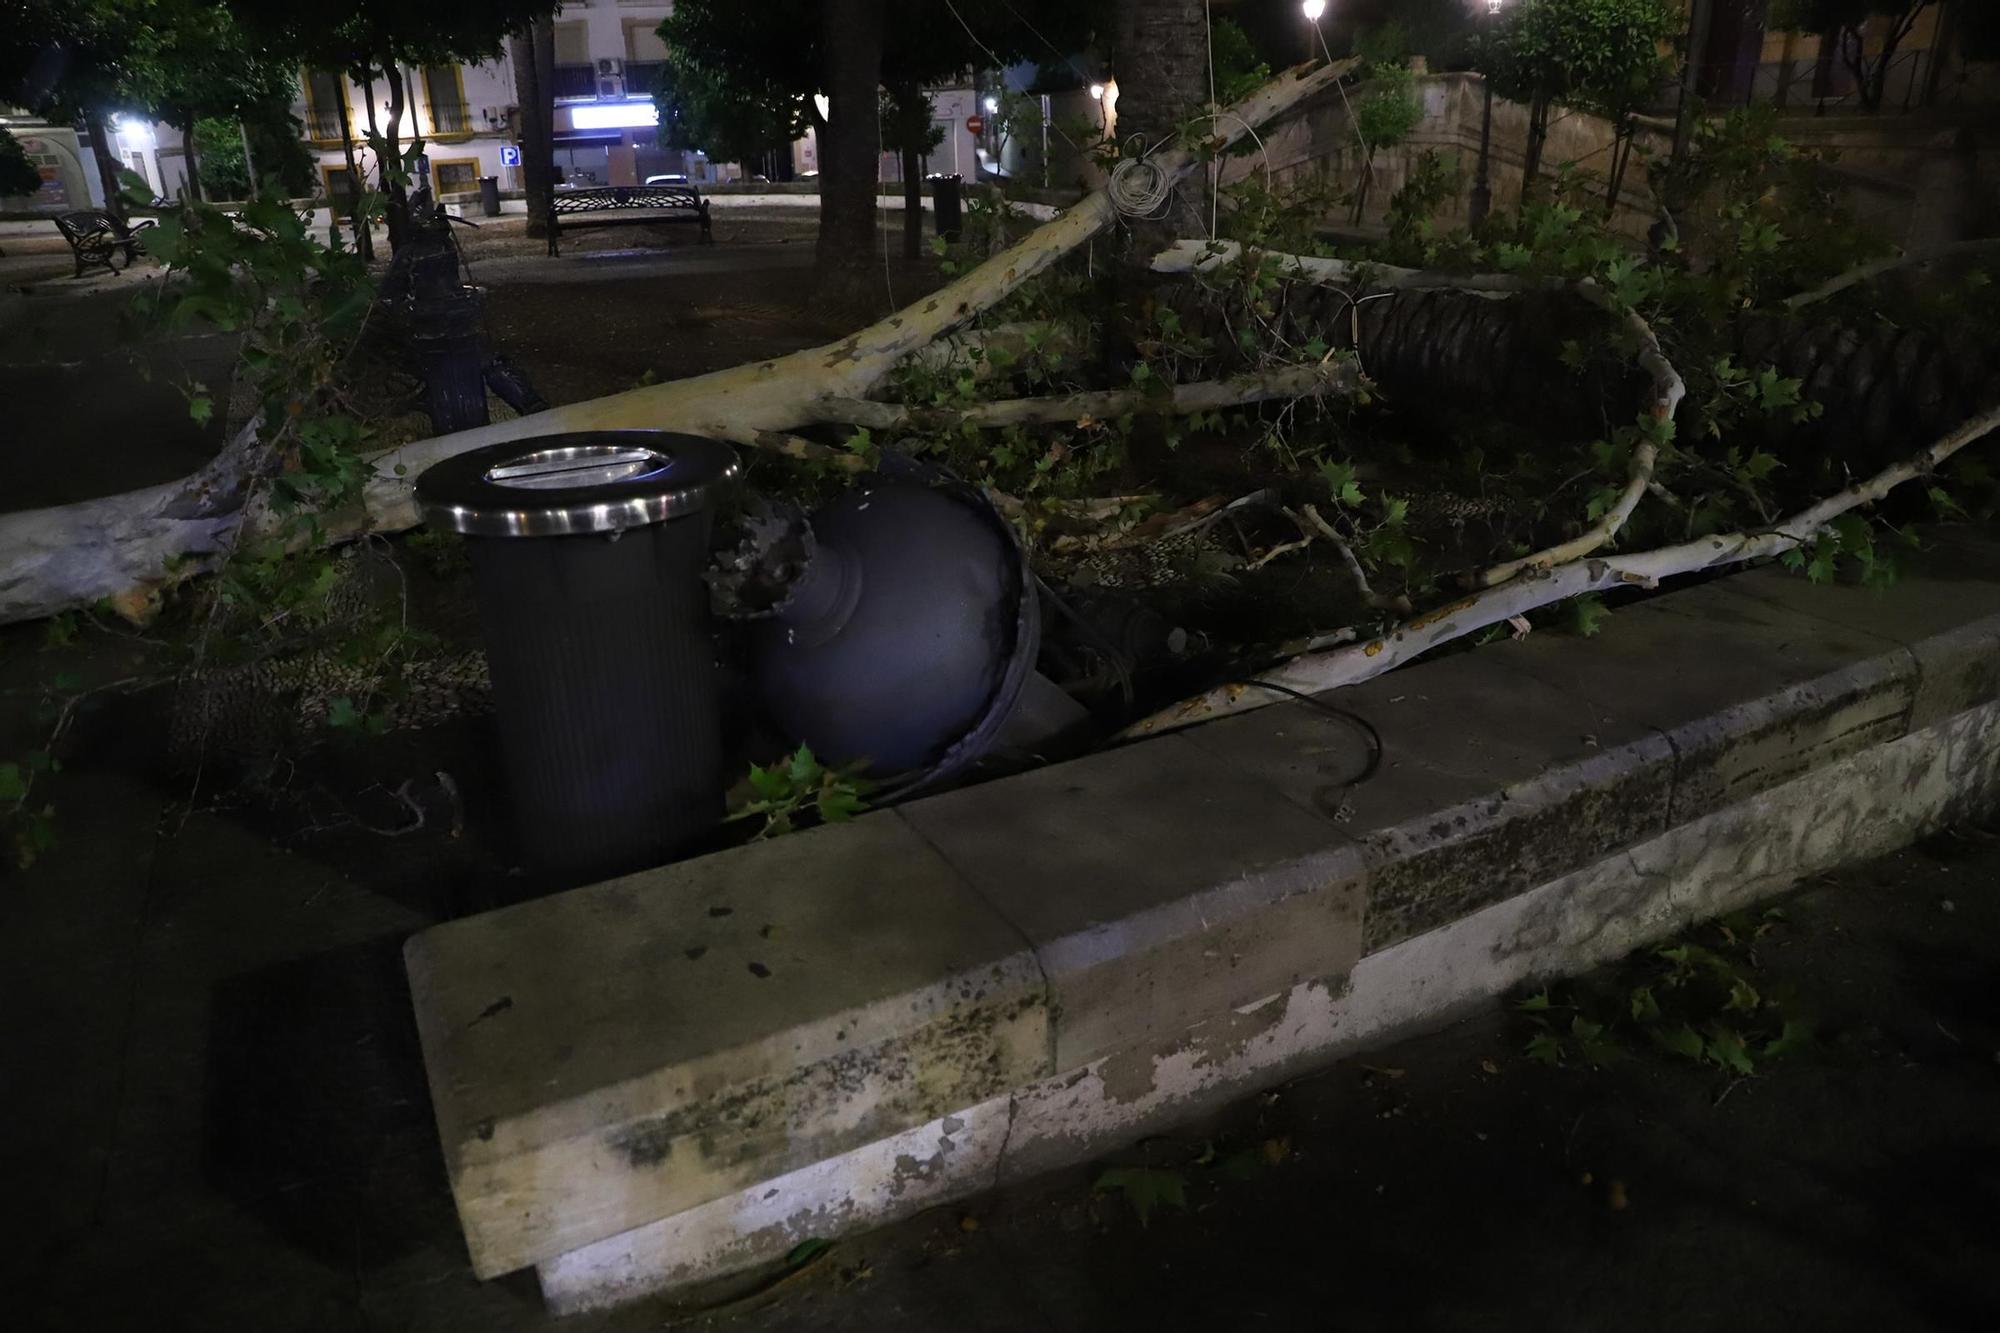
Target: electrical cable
[{"x": 1342, "y": 810}]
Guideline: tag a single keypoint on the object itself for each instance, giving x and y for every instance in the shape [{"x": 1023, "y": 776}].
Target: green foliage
[
  {"x": 802, "y": 785},
  {"x": 1239, "y": 71},
  {"x": 907, "y": 126},
  {"x": 1605, "y": 56},
  {"x": 17, "y": 174},
  {"x": 1390, "y": 109},
  {"x": 1145, "y": 1188},
  {"x": 1696, "y": 999}
]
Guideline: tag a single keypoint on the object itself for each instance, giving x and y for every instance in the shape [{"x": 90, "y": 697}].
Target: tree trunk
[
  {"x": 851, "y": 37},
  {"x": 913, "y": 204},
  {"x": 364, "y": 241},
  {"x": 1161, "y": 64},
  {"x": 1621, "y": 157},
  {"x": 249, "y": 162},
  {"x": 129, "y": 548},
  {"x": 192, "y": 189},
  {"x": 107, "y": 165},
  {"x": 397, "y": 202},
  {"x": 1538, "y": 136},
  {"x": 533, "y": 54}
]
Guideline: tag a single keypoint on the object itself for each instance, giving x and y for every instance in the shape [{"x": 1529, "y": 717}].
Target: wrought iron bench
[
  {"x": 99, "y": 240},
  {"x": 609, "y": 205}
]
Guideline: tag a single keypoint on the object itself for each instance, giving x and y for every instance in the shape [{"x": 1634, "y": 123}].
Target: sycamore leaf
[
  {"x": 1743, "y": 997},
  {"x": 1726, "y": 1048},
  {"x": 804, "y": 768},
  {"x": 12, "y": 785},
  {"x": 1681, "y": 1040},
  {"x": 1145, "y": 1188},
  {"x": 771, "y": 784},
  {"x": 1545, "y": 1048},
  {"x": 1796, "y": 1037},
  {"x": 1645, "y": 1009}
]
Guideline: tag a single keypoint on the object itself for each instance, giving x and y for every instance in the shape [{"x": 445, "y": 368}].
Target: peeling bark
[{"x": 144, "y": 547}]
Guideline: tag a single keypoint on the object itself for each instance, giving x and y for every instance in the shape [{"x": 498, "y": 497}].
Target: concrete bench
[{"x": 687, "y": 1071}]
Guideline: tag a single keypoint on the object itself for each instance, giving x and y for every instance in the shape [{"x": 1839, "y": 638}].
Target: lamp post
[{"x": 1482, "y": 184}]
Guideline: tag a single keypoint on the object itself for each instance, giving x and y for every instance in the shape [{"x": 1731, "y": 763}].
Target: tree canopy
[
  {"x": 740, "y": 79},
  {"x": 1847, "y": 21},
  {"x": 1606, "y": 56}
]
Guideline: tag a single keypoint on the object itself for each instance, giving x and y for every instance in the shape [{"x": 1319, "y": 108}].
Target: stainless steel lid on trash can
[{"x": 587, "y": 481}]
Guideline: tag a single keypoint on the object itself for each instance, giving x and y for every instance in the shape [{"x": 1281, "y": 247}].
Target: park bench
[
  {"x": 98, "y": 240},
  {"x": 610, "y": 205}
]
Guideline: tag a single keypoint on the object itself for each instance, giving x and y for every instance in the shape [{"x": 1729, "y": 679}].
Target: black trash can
[
  {"x": 489, "y": 196},
  {"x": 946, "y": 214},
  {"x": 587, "y": 556}
]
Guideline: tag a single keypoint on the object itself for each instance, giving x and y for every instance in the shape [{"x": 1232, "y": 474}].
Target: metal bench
[
  {"x": 609, "y": 205},
  {"x": 99, "y": 240}
]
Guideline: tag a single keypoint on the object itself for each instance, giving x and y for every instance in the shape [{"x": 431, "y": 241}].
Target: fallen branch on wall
[{"x": 1350, "y": 665}]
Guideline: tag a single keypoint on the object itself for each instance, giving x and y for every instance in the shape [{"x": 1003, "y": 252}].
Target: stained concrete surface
[{"x": 219, "y": 1121}]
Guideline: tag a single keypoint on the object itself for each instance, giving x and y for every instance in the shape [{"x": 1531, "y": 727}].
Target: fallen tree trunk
[
  {"x": 128, "y": 548},
  {"x": 1666, "y": 384}
]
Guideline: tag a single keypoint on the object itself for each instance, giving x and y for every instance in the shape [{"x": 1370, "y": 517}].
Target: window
[
  {"x": 449, "y": 114},
  {"x": 457, "y": 175},
  {"x": 645, "y": 57},
  {"x": 339, "y": 187},
  {"x": 325, "y": 91},
  {"x": 576, "y": 72}
]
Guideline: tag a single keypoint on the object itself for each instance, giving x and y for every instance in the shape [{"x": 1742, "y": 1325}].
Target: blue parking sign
[{"x": 510, "y": 155}]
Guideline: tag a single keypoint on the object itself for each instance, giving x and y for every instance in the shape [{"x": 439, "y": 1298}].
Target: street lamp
[
  {"x": 1313, "y": 10},
  {"x": 1482, "y": 185}
]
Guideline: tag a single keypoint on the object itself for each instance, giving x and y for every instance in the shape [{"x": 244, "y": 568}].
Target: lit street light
[{"x": 1313, "y": 10}]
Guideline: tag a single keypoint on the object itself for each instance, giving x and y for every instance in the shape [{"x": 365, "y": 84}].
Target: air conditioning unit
[
  {"x": 610, "y": 89},
  {"x": 610, "y": 67}
]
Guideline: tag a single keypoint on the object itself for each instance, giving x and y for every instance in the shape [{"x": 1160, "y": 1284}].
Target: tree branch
[
  {"x": 136, "y": 536},
  {"x": 1668, "y": 388},
  {"x": 1876, "y": 268},
  {"x": 1318, "y": 672},
  {"x": 1301, "y": 381}
]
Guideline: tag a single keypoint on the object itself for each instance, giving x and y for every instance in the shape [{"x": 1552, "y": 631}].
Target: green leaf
[
  {"x": 12, "y": 785},
  {"x": 772, "y": 784},
  {"x": 1145, "y": 1188},
  {"x": 1796, "y": 1038},
  {"x": 341, "y": 713},
  {"x": 1760, "y": 465},
  {"x": 1537, "y": 1003},
  {"x": 1681, "y": 1040},
  {"x": 1645, "y": 1009},
  {"x": 1545, "y": 1048},
  {"x": 840, "y": 803},
  {"x": 805, "y": 769},
  {"x": 200, "y": 408},
  {"x": 1743, "y": 997},
  {"x": 1726, "y": 1049},
  {"x": 806, "y": 1251}
]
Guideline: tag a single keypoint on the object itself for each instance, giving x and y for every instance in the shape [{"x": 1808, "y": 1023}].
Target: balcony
[
  {"x": 322, "y": 126},
  {"x": 451, "y": 118},
  {"x": 575, "y": 83},
  {"x": 643, "y": 76}
]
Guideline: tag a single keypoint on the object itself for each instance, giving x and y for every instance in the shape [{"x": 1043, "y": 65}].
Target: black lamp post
[{"x": 1482, "y": 185}]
